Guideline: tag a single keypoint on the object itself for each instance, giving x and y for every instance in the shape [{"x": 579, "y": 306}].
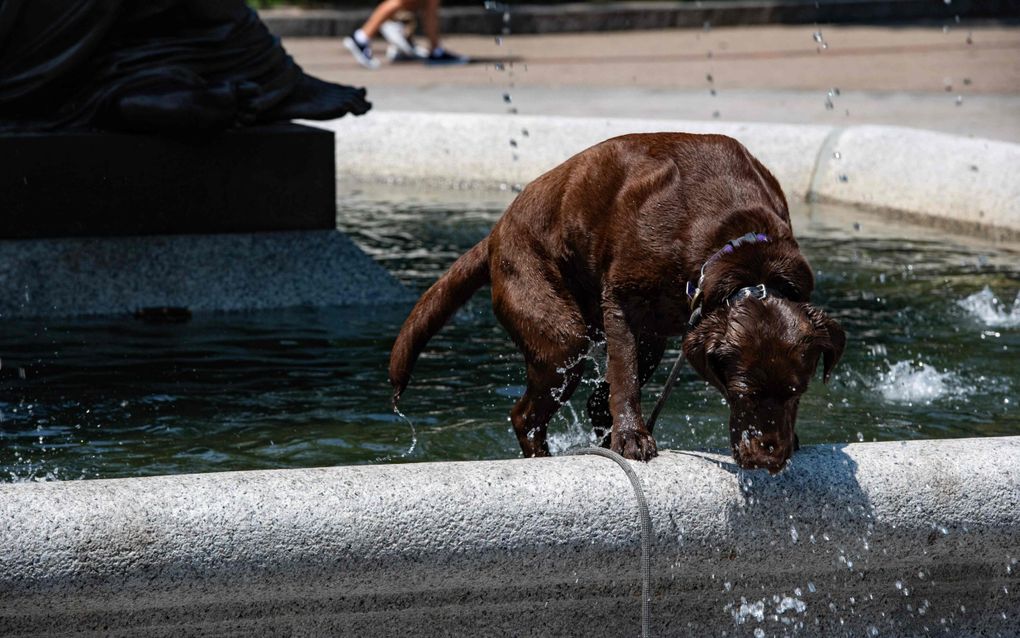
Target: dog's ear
[
  {"x": 699, "y": 348},
  {"x": 830, "y": 339}
]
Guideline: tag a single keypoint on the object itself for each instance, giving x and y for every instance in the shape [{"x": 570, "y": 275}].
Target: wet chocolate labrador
[{"x": 632, "y": 241}]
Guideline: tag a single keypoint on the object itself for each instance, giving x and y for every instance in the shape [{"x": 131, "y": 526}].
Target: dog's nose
[{"x": 766, "y": 453}]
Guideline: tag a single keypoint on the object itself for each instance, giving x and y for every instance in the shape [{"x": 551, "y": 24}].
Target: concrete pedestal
[{"x": 267, "y": 178}]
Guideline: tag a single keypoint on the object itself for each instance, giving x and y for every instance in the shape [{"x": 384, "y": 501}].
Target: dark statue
[{"x": 164, "y": 66}]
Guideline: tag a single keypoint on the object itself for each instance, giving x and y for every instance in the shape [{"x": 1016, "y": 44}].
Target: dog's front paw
[{"x": 635, "y": 445}]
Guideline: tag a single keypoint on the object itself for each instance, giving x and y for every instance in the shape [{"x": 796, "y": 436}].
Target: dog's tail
[{"x": 469, "y": 273}]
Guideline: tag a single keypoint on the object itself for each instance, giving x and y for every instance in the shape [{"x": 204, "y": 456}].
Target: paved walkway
[{"x": 964, "y": 80}]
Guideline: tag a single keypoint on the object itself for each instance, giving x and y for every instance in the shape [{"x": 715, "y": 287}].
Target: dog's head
[{"x": 761, "y": 354}]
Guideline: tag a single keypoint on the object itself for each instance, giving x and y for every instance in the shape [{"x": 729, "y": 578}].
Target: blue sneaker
[{"x": 361, "y": 52}]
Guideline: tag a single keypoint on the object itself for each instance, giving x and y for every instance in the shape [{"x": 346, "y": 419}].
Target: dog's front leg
[{"x": 629, "y": 435}]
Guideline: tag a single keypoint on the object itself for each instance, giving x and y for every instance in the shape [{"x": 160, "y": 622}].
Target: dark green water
[{"x": 930, "y": 355}]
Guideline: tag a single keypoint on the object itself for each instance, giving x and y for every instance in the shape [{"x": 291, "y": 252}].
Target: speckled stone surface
[
  {"x": 112, "y": 275},
  {"x": 948, "y": 178},
  {"x": 475, "y": 150},
  {"x": 895, "y": 539}
]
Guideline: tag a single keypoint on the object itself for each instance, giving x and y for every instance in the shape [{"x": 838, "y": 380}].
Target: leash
[
  {"x": 670, "y": 381},
  {"x": 646, "y": 531}
]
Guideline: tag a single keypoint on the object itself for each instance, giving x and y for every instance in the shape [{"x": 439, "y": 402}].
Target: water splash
[
  {"x": 987, "y": 308},
  {"x": 907, "y": 382},
  {"x": 578, "y": 432},
  {"x": 747, "y": 611},
  {"x": 414, "y": 433}
]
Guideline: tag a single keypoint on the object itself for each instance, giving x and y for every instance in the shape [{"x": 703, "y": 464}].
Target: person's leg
[
  {"x": 384, "y": 12},
  {"x": 430, "y": 22},
  {"x": 359, "y": 43}
]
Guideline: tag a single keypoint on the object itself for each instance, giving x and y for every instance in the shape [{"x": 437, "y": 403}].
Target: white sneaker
[
  {"x": 363, "y": 54},
  {"x": 393, "y": 54},
  {"x": 393, "y": 32}
]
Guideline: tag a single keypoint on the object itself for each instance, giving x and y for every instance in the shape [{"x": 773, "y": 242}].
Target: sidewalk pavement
[{"x": 964, "y": 79}]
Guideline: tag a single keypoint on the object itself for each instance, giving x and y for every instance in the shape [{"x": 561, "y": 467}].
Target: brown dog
[{"x": 613, "y": 244}]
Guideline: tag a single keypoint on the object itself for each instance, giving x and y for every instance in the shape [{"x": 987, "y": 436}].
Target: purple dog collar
[{"x": 694, "y": 290}]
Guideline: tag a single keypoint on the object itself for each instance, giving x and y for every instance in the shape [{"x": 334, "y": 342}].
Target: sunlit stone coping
[
  {"x": 895, "y": 539},
  {"x": 955, "y": 180}
]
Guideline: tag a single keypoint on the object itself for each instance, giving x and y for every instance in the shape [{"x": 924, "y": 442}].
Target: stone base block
[
  {"x": 74, "y": 184},
  {"x": 113, "y": 275}
]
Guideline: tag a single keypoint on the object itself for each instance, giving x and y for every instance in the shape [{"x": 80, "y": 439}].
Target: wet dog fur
[{"x": 601, "y": 248}]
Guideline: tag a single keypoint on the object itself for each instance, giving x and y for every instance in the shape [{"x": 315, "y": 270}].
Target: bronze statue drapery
[{"x": 171, "y": 66}]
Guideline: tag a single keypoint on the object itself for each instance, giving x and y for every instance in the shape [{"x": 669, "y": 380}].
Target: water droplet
[
  {"x": 843, "y": 178},
  {"x": 499, "y": 41},
  {"x": 811, "y": 587},
  {"x": 507, "y": 99},
  {"x": 959, "y": 100},
  {"x": 836, "y": 155},
  {"x": 860, "y": 436}
]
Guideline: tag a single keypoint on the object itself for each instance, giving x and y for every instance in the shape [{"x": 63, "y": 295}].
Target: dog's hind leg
[
  {"x": 548, "y": 389},
  {"x": 548, "y": 328}
]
